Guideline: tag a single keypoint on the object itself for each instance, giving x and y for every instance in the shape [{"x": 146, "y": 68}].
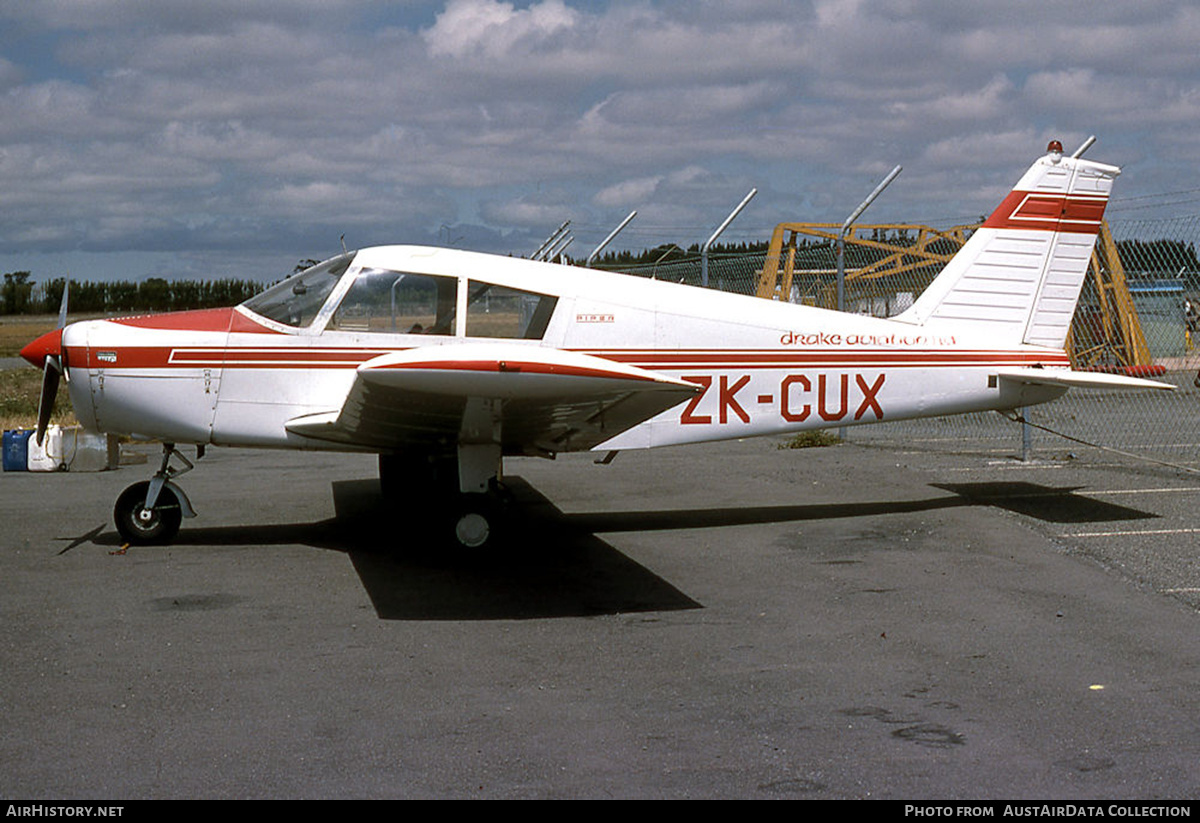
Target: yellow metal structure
[
  {"x": 775, "y": 283},
  {"x": 1115, "y": 336},
  {"x": 1108, "y": 334}
]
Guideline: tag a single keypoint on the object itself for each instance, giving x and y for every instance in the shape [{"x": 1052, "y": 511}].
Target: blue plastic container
[{"x": 16, "y": 450}]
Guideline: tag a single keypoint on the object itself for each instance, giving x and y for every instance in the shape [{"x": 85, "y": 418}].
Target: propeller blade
[
  {"x": 48, "y": 351},
  {"x": 50, "y": 375},
  {"x": 62, "y": 324},
  {"x": 62, "y": 308}
]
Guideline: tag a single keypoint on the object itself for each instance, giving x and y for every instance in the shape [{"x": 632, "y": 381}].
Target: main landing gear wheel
[
  {"x": 477, "y": 523},
  {"x": 472, "y": 529},
  {"x": 140, "y": 526}
]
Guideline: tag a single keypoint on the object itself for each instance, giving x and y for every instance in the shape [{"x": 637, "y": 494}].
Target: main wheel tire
[
  {"x": 147, "y": 527},
  {"x": 472, "y": 530},
  {"x": 476, "y": 523}
]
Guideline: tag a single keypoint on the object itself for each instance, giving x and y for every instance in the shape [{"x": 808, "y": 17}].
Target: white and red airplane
[{"x": 443, "y": 362}]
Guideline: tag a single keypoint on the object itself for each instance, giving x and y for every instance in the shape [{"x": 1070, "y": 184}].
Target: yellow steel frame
[{"x": 1121, "y": 340}]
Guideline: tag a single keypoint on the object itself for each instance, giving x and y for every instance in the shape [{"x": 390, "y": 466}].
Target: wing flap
[{"x": 550, "y": 400}]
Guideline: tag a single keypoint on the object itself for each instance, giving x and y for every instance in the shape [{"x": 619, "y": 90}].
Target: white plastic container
[
  {"x": 47, "y": 456},
  {"x": 73, "y": 449}
]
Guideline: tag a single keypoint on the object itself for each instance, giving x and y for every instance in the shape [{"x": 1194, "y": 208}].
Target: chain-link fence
[
  {"x": 1138, "y": 315},
  {"x": 736, "y": 273}
]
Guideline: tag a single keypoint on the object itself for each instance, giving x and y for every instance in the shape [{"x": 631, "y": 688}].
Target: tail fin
[{"x": 1018, "y": 278}]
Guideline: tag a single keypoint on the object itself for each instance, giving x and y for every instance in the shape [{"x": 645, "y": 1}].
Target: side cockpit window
[
  {"x": 391, "y": 302},
  {"x": 296, "y": 300},
  {"x": 500, "y": 311},
  {"x": 381, "y": 301}
]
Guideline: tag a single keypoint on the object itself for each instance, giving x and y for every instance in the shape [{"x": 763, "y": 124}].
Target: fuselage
[{"x": 236, "y": 376}]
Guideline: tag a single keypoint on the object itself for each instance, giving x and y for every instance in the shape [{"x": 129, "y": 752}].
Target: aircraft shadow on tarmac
[
  {"x": 554, "y": 565},
  {"x": 547, "y": 568},
  {"x": 1043, "y": 502}
]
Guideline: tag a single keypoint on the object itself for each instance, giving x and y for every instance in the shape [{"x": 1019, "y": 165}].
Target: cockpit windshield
[{"x": 296, "y": 300}]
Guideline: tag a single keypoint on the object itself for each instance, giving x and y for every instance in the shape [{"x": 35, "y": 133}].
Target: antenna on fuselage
[{"x": 342, "y": 240}]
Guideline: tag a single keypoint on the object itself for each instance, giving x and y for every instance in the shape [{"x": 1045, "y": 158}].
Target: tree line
[
  {"x": 20, "y": 295},
  {"x": 670, "y": 253}
]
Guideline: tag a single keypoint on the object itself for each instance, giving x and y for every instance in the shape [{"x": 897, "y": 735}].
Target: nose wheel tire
[{"x": 140, "y": 526}]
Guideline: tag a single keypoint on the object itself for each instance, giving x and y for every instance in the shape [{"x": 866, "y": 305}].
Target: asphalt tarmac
[{"x": 723, "y": 621}]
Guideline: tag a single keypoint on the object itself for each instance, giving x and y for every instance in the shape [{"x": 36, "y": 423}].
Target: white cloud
[
  {"x": 991, "y": 101},
  {"x": 527, "y": 212},
  {"x": 628, "y": 192},
  {"x": 474, "y": 28}
]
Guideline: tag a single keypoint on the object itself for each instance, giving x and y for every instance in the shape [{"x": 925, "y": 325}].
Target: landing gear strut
[
  {"x": 433, "y": 485},
  {"x": 149, "y": 512}
]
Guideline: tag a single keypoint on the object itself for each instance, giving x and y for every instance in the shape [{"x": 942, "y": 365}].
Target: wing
[{"x": 528, "y": 399}]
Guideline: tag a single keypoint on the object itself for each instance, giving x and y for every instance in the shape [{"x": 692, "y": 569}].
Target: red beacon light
[{"x": 1055, "y": 147}]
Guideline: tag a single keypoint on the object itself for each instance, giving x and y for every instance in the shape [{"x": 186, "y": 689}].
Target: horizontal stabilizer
[{"x": 1080, "y": 379}]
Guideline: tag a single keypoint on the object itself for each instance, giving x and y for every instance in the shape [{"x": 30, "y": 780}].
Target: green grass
[
  {"x": 17, "y": 330},
  {"x": 811, "y": 440},
  {"x": 19, "y": 391},
  {"x": 20, "y": 387}
]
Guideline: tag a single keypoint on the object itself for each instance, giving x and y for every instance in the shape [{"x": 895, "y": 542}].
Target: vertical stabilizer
[{"x": 1018, "y": 278}]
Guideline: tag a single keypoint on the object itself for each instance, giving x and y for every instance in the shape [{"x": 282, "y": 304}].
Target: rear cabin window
[
  {"x": 391, "y": 302},
  {"x": 500, "y": 311}
]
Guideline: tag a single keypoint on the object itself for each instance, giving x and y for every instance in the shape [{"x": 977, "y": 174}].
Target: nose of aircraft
[{"x": 48, "y": 344}]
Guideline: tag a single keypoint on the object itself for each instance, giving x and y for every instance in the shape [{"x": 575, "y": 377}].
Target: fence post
[
  {"x": 717, "y": 233},
  {"x": 841, "y": 249},
  {"x": 1026, "y": 437}
]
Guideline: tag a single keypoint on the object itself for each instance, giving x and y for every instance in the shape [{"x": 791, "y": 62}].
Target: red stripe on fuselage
[
  {"x": 171, "y": 357},
  {"x": 197, "y": 320},
  {"x": 236, "y": 357},
  {"x": 218, "y": 320},
  {"x": 167, "y": 357},
  {"x": 824, "y": 357}
]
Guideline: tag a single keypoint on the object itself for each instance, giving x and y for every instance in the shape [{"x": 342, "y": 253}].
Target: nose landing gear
[
  {"x": 149, "y": 512},
  {"x": 147, "y": 525}
]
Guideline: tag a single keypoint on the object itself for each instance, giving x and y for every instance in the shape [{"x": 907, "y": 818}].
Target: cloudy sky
[{"x": 235, "y": 137}]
